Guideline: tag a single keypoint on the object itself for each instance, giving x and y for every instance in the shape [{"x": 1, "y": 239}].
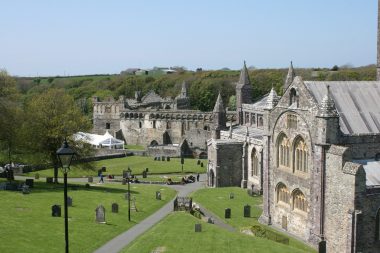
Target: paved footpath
[{"x": 121, "y": 241}]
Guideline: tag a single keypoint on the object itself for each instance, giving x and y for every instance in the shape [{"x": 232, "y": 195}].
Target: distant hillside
[{"x": 203, "y": 86}]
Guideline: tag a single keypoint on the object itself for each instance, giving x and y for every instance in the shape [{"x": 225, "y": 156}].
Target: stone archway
[
  {"x": 153, "y": 143},
  {"x": 166, "y": 138},
  {"x": 211, "y": 182}
]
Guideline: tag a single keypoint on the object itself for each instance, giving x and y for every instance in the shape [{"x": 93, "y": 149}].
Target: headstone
[
  {"x": 232, "y": 195},
  {"x": 100, "y": 214},
  {"x": 124, "y": 182},
  {"x": 25, "y": 189},
  {"x": 56, "y": 211},
  {"x": 49, "y": 180},
  {"x": 104, "y": 169},
  {"x": 87, "y": 186},
  {"x": 158, "y": 195},
  {"x": 147, "y": 169},
  {"x": 210, "y": 220},
  {"x": 144, "y": 174},
  {"x": 198, "y": 162},
  {"x": 247, "y": 211},
  {"x": 127, "y": 194},
  {"x": 202, "y": 164},
  {"x": 163, "y": 158},
  {"x": 198, "y": 227},
  {"x": 227, "y": 213},
  {"x": 168, "y": 158},
  {"x": 37, "y": 176},
  {"x": 155, "y": 158},
  {"x": 115, "y": 208},
  {"x": 90, "y": 179},
  {"x": 69, "y": 201},
  {"x": 29, "y": 182}
]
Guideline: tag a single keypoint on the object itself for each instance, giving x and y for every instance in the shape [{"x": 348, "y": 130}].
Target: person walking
[
  {"x": 198, "y": 177},
  {"x": 101, "y": 177}
]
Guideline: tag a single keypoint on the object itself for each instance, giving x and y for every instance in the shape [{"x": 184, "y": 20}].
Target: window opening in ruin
[
  {"x": 300, "y": 155},
  {"x": 246, "y": 118},
  {"x": 299, "y": 201},
  {"x": 291, "y": 121},
  {"x": 253, "y": 119},
  {"x": 293, "y": 99},
  {"x": 282, "y": 193},
  {"x": 255, "y": 164},
  {"x": 154, "y": 124},
  {"x": 108, "y": 125},
  {"x": 260, "y": 121},
  {"x": 140, "y": 124},
  {"x": 283, "y": 151}
]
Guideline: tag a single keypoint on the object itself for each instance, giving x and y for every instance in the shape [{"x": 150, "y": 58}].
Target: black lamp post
[
  {"x": 129, "y": 193},
  {"x": 65, "y": 156},
  {"x": 182, "y": 161}
]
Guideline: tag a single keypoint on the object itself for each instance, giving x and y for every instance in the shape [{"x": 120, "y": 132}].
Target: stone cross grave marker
[
  {"x": 115, "y": 208},
  {"x": 227, "y": 213},
  {"x": 100, "y": 214},
  {"x": 247, "y": 211},
  {"x": 69, "y": 201},
  {"x": 56, "y": 211},
  {"x": 198, "y": 227}
]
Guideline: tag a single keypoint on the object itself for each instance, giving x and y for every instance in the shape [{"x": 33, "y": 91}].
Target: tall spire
[
  {"x": 244, "y": 76},
  {"x": 219, "y": 107},
  {"x": 290, "y": 77},
  {"x": 272, "y": 99},
  {"x": 327, "y": 106},
  {"x": 378, "y": 40}
]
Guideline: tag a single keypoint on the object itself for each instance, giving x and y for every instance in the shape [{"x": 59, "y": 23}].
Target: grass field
[
  {"x": 218, "y": 199},
  {"x": 27, "y": 225},
  {"x": 176, "y": 234},
  {"x": 137, "y": 164}
]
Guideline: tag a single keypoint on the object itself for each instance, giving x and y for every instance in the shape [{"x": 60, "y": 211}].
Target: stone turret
[
  {"x": 378, "y": 40},
  {"x": 138, "y": 96},
  {"x": 219, "y": 118},
  {"x": 272, "y": 99},
  {"x": 290, "y": 77},
  {"x": 327, "y": 120},
  {"x": 243, "y": 92},
  {"x": 183, "y": 90}
]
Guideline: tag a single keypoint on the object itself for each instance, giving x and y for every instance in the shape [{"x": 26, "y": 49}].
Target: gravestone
[
  {"x": 69, "y": 201},
  {"x": 168, "y": 158},
  {"x": 247, "y": 211},
  {"x": 232, "y": 195},
  {"x": 227, "y": 213},
  {"x": 56, "y": 211},
  {"x": 127, "y": 195},
  {"x": 25, "y": 189},
  {"x": 202, "y": 164},
  {"x": 147, "y": 169},
  {"x": 29, "y": 182},
  {"x": 158, "y": 195},
  {"x": 37, "y": 176},
  {"x": 163, "y": 158},
  {"x": 100, "y": 214},
  {"x": 90, "y": 179},
  {"x": 124, "y": 182},
  {"x": 210, "y": 220},
  {"x": 198, "y": 227},
  {"x": 104, "y": 169},
  {"x": 49, "y": 180},
  {"x": 87, "y": 186},
  {"x": 115, "y": 208},
  {"x": 155, "y": 158},
  {"x": 144, "y": 174}
]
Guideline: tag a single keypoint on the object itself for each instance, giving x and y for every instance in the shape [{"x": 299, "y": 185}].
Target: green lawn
[
  {"x": 218, "y": 199},
  {"x": 27, "y": 225},
  {"x": 137, "y": 164},
  {"x": 176, "y": 234}
]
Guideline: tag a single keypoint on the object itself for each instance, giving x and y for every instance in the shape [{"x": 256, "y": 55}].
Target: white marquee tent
[{"x": 106, "y": 140}]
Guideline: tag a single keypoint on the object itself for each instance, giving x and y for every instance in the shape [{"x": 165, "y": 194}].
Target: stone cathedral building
[{"x": 314, "y": 154}]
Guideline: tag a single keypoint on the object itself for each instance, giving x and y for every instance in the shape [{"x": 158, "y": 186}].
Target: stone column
[
  {"x": 244, "y": 166},
  {"x": 265, "y": 216},
  {"x": 378, "y": 40}
]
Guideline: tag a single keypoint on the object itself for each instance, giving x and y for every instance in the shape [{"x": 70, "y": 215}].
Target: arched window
[
  {"x": 255, "y": 163},
  {"x": 283, "y": 151},
  {"x": 282, "y": 193},
  {"x": 293, "y": 99},
  {"x": 299, "y": 201},
  {"x": 301, "y": 155},
  {"x": 377, "y": 226}
]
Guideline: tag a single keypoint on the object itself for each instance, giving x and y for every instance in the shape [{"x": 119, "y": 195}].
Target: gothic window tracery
[
  {"x": 299, "y": 201},
  {"x": 301, "y": 155},
  {"x": 255, "y": 164},
  {"x": 283, "y": 151},
  {"x": 282, "y": 193}
]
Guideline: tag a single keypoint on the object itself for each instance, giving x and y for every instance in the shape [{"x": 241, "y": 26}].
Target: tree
[
  {"x": 232, "y": 103},
  {"x": 53, "y": 116},
  {"x": 10, "y": 113}
]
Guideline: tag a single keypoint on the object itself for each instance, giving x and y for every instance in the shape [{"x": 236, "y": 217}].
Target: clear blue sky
[{"x": 54, "y": 37}]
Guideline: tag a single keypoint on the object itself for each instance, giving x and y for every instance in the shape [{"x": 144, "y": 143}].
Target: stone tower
[
  {"x": 378, "y": 40},
  {"x": 243, "y": 92},
  {"x": 290, "y": 77},
  {"x": 219, "y": 118},
  {"x": 327, "y": 120}
]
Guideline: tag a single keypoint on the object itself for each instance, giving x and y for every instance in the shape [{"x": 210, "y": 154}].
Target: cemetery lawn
[
  {"x": 27, "y": 224},
  {"x": 176, "y": 234},
  {"x": 136, "y": 163},
  {"x": 217, "y": 200}
]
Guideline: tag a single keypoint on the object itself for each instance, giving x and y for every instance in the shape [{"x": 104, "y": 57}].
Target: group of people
[
  {"x": 189, "y": 179},
  {"x": 101, "y": 177}
]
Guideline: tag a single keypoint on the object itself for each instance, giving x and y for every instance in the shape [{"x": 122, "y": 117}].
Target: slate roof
[
  {"x": 372, "y": 171},
  {"x": 357, "y": 103}
]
